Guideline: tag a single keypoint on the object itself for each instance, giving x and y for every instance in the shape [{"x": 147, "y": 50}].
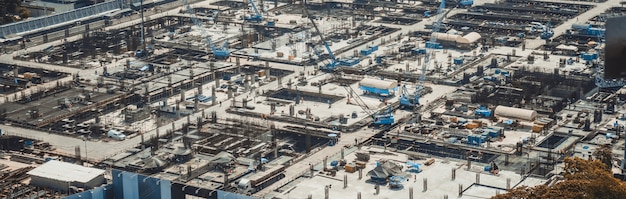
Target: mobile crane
[
  {"x": 411, "y": 100},
  {"x": 257, "y": 16}
]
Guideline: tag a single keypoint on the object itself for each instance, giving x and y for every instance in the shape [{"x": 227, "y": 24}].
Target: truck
[{"x": 257, "y": 181}]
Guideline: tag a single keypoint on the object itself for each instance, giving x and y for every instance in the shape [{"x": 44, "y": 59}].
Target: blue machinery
[
  {"x": 256, "y": 17},
  {"x": 333, "y": 63},
  {"x": 547, "y": 32},
  {"x": 330, "y": 67},
  {"x": 411, "y": 100},
  {"x": 380, "y": 118},
  {"x": 219, "y": 53}
]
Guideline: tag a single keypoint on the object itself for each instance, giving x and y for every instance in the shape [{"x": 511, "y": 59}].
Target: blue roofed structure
[{"x": 378, "y": 87}]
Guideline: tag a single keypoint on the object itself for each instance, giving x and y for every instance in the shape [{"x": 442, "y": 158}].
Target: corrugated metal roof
[
  {"x": 516, "y": 113},
  {"x": 377, "y": 83},
  {"x": 471, "y": 37},
  {"x": 66, "y": 172},
  {"x": 446, "y": 37}
]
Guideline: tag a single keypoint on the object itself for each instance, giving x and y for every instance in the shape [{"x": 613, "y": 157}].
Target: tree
[
  {"x": 605, "y": 155},
  {"x": 582, "y": 179},
  {"x": 9, "y": 9}
]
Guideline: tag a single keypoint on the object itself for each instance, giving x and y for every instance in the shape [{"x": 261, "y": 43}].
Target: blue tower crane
[
  {"x": 411, "y": 100},
  {"x": 257, "y": 16},
  {"x": 333, "y": 64}
]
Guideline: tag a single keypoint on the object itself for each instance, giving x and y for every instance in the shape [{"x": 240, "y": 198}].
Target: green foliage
[{"x": 583, "y": 179}]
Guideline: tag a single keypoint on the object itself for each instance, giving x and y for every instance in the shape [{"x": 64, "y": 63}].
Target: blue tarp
[{"x": 375, "y": 90}]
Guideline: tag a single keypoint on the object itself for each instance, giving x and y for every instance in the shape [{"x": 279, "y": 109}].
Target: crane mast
[
  {"x": 431, "y": 44},
  {"x": 333, "y": 64}
]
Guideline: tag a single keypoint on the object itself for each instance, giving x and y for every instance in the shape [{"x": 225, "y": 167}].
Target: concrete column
[
  {"x": 188, "y": 123},
  {"x": 213, "y": 97},
  {"x": 460, "y": 190},
  {"x": 358, "y": 195},
  {"x": 508, "y": 183},
  {"x": 325, "y": 162},
  {"x": 360, "y": 173},
  {"x": 453, "y": 174},
  {"x": 506, "y": 159},
  {"x": 326, "y": 192},
  {"x": 410, "y": 192},
  {"x": 200, "y": 89},
  {"x": 230, "y": 93},
  {"x": 425, "y": 184},
  {"x": 342, "y": 153},
  {"x": 377, "y": 188},
  {"x": 247, "y": 86},
  {"x": 275, "y": 150},
  {"x": 311, "y": 170},
  {"x": 289, "y": 83},
  {"x": 477, "y": 178},
  {"x": 226, "y": 179},
  {"x": 345, "y": 181},
  {"x": 237, "y": 61}
]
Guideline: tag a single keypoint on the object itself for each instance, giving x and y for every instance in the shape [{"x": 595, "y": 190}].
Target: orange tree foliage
[{"x": 582, "y": 179}]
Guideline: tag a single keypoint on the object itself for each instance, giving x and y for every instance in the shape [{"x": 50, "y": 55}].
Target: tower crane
[
  {"x": 411, "y": 100},
  {"x": 333, "y": 63},
  {"x": 380, "y": 118}
]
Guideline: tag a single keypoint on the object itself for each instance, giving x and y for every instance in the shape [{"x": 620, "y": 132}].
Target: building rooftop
[{"x": 67, "y": 172}]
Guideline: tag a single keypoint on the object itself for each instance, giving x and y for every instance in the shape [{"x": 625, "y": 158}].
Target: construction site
[{"x": 305, "y": 99}]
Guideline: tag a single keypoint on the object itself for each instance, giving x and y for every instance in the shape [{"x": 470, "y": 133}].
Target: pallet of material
[{"x": 429, "y": 162}]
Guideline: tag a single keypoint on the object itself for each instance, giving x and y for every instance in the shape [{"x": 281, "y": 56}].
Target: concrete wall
[{"x": 63, "y": 185}]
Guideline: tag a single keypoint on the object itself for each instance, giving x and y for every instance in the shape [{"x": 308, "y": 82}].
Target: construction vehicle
[
  {"x": 220, "y": 52},
  {"x": 547, "y": 32},
  {"x": 466, "y": 3},
  {"x": 493, "y": 168},
  {"x": 256, "y": 181},
  {"x": 257, "y": 16},
  {"x": 330, "y": 67},
  {"x": 380, "y": 118},
  {"x": 414, "y": 167},
  {"x": 411, "y": 100}
]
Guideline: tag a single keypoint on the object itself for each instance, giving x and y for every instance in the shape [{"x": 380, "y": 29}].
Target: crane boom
[
  {"x": 196, "y": 22},
  {"x": 432, "y": 43},
  {"x": 256, "y": 11},
  {"x": 330, "y": 52},
  {"x": 411, "y": 100},
  {"x": 257, "y": 16}
]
